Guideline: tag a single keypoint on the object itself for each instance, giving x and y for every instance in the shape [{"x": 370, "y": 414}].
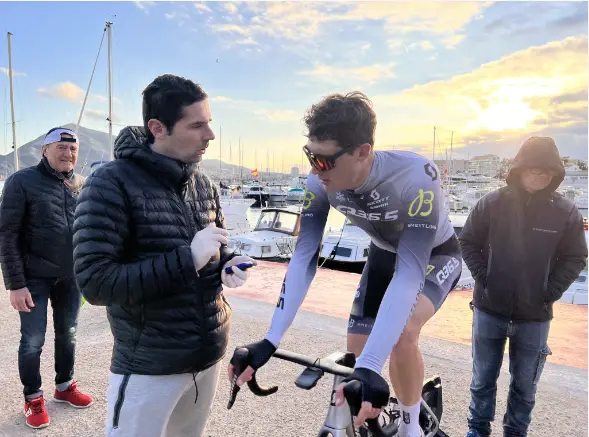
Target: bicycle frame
[{"x": 338, "y": 420}]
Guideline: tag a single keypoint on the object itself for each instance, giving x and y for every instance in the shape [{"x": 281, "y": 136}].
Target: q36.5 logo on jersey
[
  {"x": 370, "y": 216},
  {"x": 447, "y": 270}
]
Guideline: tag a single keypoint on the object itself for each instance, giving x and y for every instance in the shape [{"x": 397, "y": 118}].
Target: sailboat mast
[
  {"x": 451, "y": 158},
  {"x": 110, "y": 142},
  {"x": 240, "y": 162},
  {"x": 220, "y": 151},
  {"x": 434, "y": 146},
  {"x": 16, "y": 166},
  {"x": 90, "y": 83}
]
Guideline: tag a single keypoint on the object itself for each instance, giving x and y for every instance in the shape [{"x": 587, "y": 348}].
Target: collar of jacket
[
  {"x": 517, "y": 192},
  {"x": 132, "y": 144},
  {"x": 45, "y": 167}
]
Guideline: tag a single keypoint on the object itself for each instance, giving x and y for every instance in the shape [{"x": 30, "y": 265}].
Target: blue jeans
[
  {"x": 528, "y": 350},
  {"x": 65, "y": 301}
]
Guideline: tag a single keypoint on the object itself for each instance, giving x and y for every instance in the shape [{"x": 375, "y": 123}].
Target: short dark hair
[
  {"x": 165, "y": 98},
  {"x": 348, "y": 119}
]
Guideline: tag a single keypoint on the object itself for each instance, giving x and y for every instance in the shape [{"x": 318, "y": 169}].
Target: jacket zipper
[
  {"x": 187, "y": 213},
  {"x": 518, "y": 277},
  {"x": 65, "y": 188},
  {"x": 119, "y": 402}
]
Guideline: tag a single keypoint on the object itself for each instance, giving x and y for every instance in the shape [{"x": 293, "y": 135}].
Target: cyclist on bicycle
[{"x": 413, "y": 263}]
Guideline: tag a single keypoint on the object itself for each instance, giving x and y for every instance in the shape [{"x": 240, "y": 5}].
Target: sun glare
[
  {"x": 509, "y": 106},
  {"x": 506, "y": 116}
]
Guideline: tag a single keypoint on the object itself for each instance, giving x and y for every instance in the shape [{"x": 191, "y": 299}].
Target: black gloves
[
  {"x": 259, "y": 353},
  {"x": 374, "y": 388}
]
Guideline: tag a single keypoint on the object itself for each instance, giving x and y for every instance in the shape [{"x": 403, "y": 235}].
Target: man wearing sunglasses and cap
[
  {"x": 414, "y": 258},
  {"x": 36, "y": 255},
  {"x": 525, "y": 245}
]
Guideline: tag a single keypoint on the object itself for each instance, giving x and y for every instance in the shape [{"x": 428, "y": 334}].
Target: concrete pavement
[{"x": 561, "y": 403}]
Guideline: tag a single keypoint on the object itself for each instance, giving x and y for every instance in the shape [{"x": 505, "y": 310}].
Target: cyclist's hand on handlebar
[
  {"x": 259, "y": 354},
  {"x": 375, "y": 394}
]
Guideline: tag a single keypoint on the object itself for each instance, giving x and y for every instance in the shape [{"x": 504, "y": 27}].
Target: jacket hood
[
  {"x": 539, "y": 152},
  {"x": 132, "y": 144}
]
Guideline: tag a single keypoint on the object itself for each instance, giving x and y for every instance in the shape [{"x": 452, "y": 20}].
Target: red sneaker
[
  {"x": 36, "y": 414},
  {"x": 73, "y": 396}
]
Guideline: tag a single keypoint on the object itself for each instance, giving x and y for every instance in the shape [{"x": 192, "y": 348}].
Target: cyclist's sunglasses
[{"x": 323, "y": 162}]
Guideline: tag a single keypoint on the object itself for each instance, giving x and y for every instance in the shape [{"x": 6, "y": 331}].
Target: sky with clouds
[{"x": 486, "y": 74}]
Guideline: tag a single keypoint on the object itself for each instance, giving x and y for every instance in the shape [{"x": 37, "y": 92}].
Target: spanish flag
[{"x": 255, "y": 172}]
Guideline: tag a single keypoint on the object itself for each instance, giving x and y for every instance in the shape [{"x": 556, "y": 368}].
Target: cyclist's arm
[
  {"x": 413, "y": 253},
  {"x": 303, "y": 264}
]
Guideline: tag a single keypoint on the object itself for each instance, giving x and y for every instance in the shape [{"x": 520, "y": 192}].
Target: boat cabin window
[
  {"x": 279, "y": 221},
  {"x": 285, "y": 222},
  {"x": 581, "y": 279}
]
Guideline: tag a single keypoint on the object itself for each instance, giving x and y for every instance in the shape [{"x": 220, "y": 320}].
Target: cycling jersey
[{"x": 401, "y": 207}]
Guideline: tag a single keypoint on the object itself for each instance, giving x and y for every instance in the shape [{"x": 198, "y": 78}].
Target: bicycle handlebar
[{"x": 352, "y": 389}]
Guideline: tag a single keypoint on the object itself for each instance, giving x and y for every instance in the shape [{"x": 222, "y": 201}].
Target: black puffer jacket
[
  {"x": 135, "y": 220},
  {"x": 524, "y": 250},
  {"x": 36, "y": 219}
]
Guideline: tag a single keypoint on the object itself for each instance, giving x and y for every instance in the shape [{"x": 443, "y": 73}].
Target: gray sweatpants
[{"x": 160, "y": 406}]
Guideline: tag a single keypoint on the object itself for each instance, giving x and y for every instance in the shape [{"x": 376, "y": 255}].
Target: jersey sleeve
[
  {"x": 303, "y": 264},
  {"x": 421, "y": 200}
]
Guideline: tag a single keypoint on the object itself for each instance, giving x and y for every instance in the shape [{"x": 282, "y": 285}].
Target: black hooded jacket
[
  {"x": 36, "y": 220},
  {"x": 135, "y": 220},
  {"x": 524, "y": 250}
]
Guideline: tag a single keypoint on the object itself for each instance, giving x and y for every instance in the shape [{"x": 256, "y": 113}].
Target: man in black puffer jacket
[
  {"x": 150, "y": 245},
  {"x": 525, "y": 245},
  {"x": 36, "y": 220}
]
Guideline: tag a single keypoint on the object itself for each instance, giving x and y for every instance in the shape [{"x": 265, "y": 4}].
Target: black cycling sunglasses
[{"x": 323, "y": 162}]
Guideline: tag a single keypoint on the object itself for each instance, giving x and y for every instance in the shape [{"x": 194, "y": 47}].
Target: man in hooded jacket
[
  {"x": 150, "y": 245},
  {"x": 525, "y": 245}
]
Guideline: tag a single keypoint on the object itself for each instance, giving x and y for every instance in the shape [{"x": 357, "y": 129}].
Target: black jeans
[
  {"x": 528, "y": 350},
  {"x": 65, "y": 301}
]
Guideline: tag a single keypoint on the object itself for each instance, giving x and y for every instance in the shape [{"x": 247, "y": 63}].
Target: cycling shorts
[{"x": 442, "y": 275}]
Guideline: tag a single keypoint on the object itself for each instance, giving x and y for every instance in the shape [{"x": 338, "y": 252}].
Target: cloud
[
  {"x": 514, "y": 21},
  {"x": 231, "y": 28},
  {"x": 303, "y": 20},
  {"x": 424, "y": 45},
  {"x": 368, "y": 74},
  {"x": 503, "y": 99},
  {"x": 201, "y": 7},
  {"x": 180, "y": 17},
  {"x": 259, "y": 109},
  {"x": 230, "y": 7},
  {"x": 100, "y": 115},
  {"x": 144, "y": 5},
  {"x": 450, "y": 42},
  {"x": 65, "y": 91},
  {"x": 71, "y": 92},
  {"x": 221, "y": 99},
  {"x": 277, "y": 114},
  {"x": 14, "y": 72}
]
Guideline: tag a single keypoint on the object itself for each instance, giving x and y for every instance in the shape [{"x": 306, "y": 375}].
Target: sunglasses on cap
[
  {"x": 55, "y": 136},
  {"x": 323, "y": 162}
]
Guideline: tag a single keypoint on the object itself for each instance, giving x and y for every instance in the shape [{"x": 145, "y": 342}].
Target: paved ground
[
  {"x": 561, "y": 406},
  {"x": 332, "y": 292}
]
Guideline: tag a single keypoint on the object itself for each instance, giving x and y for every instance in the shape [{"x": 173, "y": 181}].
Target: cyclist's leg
[
  {"x": 376, "y": 276},
  {"x": 406, "y": 363}
]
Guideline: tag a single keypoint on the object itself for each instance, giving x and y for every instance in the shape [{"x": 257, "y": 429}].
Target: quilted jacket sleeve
[
  {"x": 100, "y": 229},
  {"x": 473, "y": 237},
  {"x": 571, "y": 257},
  {"x": 12, "y": 215}
]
